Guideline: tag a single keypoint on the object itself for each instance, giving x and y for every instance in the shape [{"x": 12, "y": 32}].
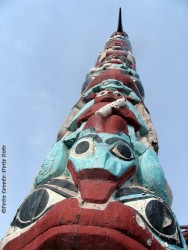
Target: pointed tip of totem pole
[{"x": 120, "y": 26}]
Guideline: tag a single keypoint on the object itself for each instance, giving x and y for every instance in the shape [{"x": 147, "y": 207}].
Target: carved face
[
  {"x": 113, "y": 153},
  {"x": 101, "y": 163}
]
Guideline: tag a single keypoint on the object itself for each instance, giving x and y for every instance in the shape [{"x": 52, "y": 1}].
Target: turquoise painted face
[
  {"x": 111, "y": 152},
  {"x": 111, "y": 84}
]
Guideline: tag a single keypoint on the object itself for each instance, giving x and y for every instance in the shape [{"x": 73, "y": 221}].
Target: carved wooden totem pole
[{"x": 101, "y": 186}]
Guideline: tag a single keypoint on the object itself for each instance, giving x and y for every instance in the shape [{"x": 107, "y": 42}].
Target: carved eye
[
  {"x": 122, "y": 151},
  {"x": 117, "y": 93},
  {"x": 118, "y": 83},
  {"x": 83, "y": 148},
  {"x": 102, "y": 93}
]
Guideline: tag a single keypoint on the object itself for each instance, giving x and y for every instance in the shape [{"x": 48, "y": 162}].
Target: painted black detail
[
  {"x": 64, "y": 184},
  {"x": 147, "y": 110},
  {"x": 56, "y": 184},
  {"x": 32, "y": 208},
  {"x": 124, "y": 201},
  {"x": 160, "y": 217},
  {"x": 58, "y": 191},
  {"x": 114, "y": 140},
  {"x": 122, "y": 151},
  {"x": 128, "y": 191},
  {"x": 95, "y": 137},
  {"x": 162, "y": 222},
  {"x": 120, "y": 26},
  {"x": 34, "y": 204},
  {"x": 69, "y": 142},
  {"x": 168, "y": 238},
  {"x": 82, "y": 147},
  {"x": 140, "y": 88},
  {"x": 16, "y": 221},
  {"x": 98, "y": 139}
]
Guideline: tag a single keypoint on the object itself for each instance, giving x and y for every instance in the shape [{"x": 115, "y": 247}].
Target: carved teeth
[{"x": 106, "y": 110}]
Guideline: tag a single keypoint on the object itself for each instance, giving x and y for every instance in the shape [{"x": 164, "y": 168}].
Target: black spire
[{"x": 120, "y": 26}]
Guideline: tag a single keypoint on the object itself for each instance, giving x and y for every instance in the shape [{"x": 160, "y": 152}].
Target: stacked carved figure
[{"x": 101, "y": 186}]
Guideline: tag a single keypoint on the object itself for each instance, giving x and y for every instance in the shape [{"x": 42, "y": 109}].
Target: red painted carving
[
  {"x": 87, "y": 238},
  {"x": 110, "y": 124},
  {"x": 115, "y": 74},
  {"x": 117, "y": 42},
  {"x": 115, "y": 121},
  {"x": 74, "y": 226},
  {"x": 97, "y": 185}
]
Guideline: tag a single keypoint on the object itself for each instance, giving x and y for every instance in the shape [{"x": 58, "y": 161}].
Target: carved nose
[{"x": 96, "y": 185}]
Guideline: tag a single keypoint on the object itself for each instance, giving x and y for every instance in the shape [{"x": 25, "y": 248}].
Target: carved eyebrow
[
  {"x": 95, "y": 137},
  {"x": 115, "y": 139}
]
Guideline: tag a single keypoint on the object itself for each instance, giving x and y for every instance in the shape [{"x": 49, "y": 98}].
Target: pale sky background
[{"x": 46, "y": 49}]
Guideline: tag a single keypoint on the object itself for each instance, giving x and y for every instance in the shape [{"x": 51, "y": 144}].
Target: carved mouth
[
  {"x": 84, "y": 237},
  {"x": 68, "y": 226}
]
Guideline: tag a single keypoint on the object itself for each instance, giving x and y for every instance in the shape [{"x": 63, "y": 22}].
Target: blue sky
[{"x": 46, "y": 49}]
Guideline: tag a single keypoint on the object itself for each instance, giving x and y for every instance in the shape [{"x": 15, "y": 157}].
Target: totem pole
[{"x": 101, "y": 186}]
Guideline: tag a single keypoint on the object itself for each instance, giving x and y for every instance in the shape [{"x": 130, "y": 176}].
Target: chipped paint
[{"x": 140, "y": 223}]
